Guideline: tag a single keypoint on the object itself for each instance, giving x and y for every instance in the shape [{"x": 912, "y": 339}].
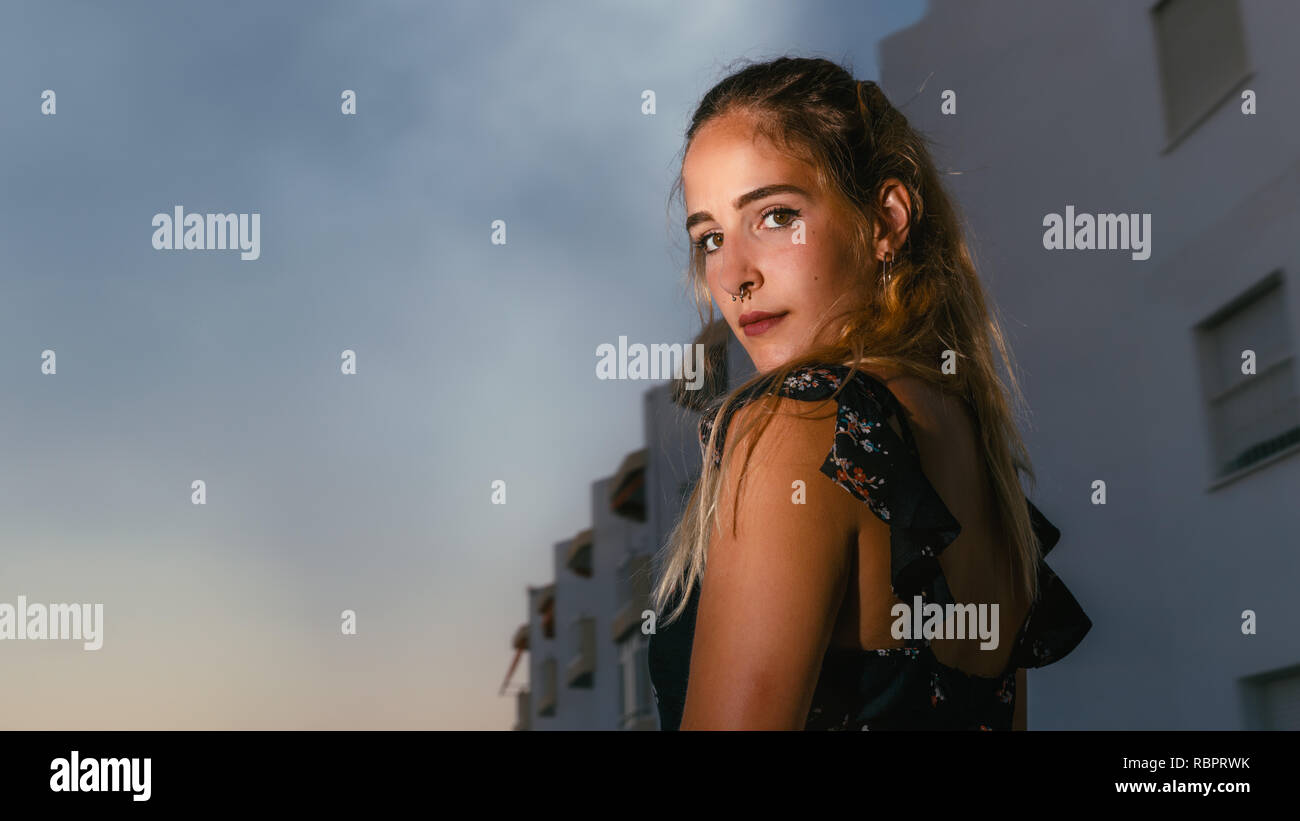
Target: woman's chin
[{"x": 769, "y": 360}]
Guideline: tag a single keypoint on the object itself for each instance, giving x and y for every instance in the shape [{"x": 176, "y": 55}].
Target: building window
[
  {"x": 634, "y": 680},
  {"x": 1201, "y": 47},
  {"x": 1253, "y": 417}
]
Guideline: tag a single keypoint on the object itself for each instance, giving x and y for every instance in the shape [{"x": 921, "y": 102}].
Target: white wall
[{"x": 1061, "y": 104}]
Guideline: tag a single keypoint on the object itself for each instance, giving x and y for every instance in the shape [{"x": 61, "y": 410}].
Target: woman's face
[{"x": 762, "y": 221}]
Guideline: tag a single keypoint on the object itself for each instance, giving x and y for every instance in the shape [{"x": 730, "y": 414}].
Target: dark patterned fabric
[{"x": 905, "y": 687}]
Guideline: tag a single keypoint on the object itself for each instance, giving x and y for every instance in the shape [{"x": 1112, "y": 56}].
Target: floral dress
[{"x": 905, "y": 687}]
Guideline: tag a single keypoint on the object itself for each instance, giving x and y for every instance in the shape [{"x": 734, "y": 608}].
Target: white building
[
  {"x": 587, "y": 656},
  {"x": 584, "y": 651},
  {"x": 1133, "y": 368}
]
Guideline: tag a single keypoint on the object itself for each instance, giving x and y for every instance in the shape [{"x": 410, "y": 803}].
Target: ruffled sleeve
[
  {"x": 1056, "y": 623},
  {"x": 878, "y": 466},
  {"x": 873, "y": 463}
]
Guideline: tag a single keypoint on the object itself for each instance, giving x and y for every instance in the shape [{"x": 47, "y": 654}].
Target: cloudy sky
[{"x": 475, "y": 361}]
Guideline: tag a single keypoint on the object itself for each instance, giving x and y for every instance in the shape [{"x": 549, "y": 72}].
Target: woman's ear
[{"x": 896, "y": 207}]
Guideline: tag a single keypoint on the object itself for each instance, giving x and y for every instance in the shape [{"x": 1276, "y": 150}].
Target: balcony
[
  {"x": 579, "y": 556},
  {"x": 546, "y": 609},
  {"x": 581, "y": 671},
  {"x": 627, "y": 490}
]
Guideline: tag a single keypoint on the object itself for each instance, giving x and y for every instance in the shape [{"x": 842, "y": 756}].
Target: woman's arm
[{"x": 773, "y": 587}]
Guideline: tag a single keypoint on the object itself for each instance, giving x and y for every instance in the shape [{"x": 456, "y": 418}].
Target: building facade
[{"x": 1161, "y": 380}]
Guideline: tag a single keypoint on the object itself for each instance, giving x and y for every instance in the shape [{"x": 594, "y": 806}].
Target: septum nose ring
[{"x": 743, "y": 289}]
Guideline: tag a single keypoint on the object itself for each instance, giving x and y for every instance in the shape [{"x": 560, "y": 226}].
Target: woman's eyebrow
[{"x": 746, "y": 199}]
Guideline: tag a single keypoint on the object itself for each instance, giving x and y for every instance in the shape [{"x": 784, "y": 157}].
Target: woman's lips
[{"x": 762, "y": 325}]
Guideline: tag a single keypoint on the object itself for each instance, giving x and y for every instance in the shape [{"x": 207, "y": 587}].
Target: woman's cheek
[
  {"x": 790, "y": 248},
  {"x": 805, "y": 260},
  {"x": 715, "y": 290}
]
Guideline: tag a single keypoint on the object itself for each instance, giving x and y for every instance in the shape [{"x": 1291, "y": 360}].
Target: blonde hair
[{"x": 855, "y": 140}]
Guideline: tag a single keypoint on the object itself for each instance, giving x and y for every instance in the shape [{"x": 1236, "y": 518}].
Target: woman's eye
[
  {"x": 783, "y": 217},
  {"x": 703, "y": 242}
]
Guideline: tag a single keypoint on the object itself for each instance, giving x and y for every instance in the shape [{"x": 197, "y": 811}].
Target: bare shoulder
[
  {"x": 793, "y": 431},
  {"x": 773, "y": 444}
]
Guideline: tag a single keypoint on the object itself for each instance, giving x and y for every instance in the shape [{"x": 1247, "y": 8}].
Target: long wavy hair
[{"x": 933, "y": 302}]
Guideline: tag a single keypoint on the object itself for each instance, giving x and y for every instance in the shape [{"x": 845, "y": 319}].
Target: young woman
[{"x": 870, "y": 470}]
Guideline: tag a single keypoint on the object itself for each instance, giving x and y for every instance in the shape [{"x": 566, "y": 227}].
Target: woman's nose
[{"x": 738, "y": 268}]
